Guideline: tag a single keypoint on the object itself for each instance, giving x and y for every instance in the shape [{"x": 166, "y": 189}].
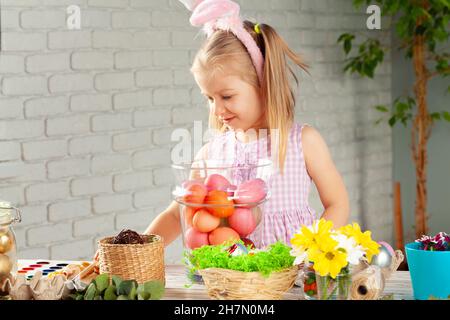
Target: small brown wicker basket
[
  {"x": 141, "y": 262},
  {"x": 226, "y": 284}
]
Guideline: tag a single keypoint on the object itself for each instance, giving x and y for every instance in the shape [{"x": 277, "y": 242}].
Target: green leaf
[
  {"x": 442, "y": 65},
  {"x": 102, "y": 282},
  {"x": 142, "y": 294},
  {"x": 382, "y": 108},
  {"x": 392, "y": 121},
  {"x": 126, "y": 287},
  {"x": 347, "y": 39},
  {"x": 435, "y": 116},
  {"x": 133, "y": 293},
  {"x": 155, "y": 288},
  {"x": 411, "y": 101},
  {"x": 446, "y": 115},
  {"x": 122, "y": 297},
  {"x": 91, "y": 292},
  {"x": 110, "y": 293},
  {"x": 116, "y": 281},
  {"x": 347, "y": 46}
]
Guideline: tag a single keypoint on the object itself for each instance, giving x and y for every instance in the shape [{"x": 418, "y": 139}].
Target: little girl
[{"x": 242, "y": 70}]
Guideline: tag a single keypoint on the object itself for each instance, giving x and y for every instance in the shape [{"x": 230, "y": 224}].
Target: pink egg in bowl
[
  {"x": 195, "y": 239},
  {"x": 242, "y": 221},
  {"x": 217, "y": 182},
  {"x": 251, "y": 191}
]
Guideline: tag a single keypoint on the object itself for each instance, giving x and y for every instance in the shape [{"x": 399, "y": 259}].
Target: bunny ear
[
  {"x": 191, "y": 4},
  {"x": 211, "y": 10}
]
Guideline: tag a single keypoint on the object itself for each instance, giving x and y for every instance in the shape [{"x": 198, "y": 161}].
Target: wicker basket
[
  {"x": 141, "y": 262},
  {"x": 226, "y": 284}
]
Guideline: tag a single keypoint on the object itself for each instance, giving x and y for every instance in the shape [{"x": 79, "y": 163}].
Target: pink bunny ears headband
[{"x": 224, "y": 15}]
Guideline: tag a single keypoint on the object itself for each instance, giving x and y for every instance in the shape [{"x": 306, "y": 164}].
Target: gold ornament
[
  {"x": 6, "y": 242},
  {"x": 5, "y": 265}
]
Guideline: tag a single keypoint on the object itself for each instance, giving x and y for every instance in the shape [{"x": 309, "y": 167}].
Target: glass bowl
[{"x": 220, "y": 202}]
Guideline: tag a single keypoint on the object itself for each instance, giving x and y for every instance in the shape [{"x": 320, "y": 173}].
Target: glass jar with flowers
[{"x": 331, "y": 254}]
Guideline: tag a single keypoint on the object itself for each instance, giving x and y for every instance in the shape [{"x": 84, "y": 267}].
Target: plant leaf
[
  {"x": 133, "y": 293},
  {"x": 446, "y": 115},
  {"x": 392, "y": 121},
  {"x": 102, "y": 282},
  {"x": 91, "y": 292},
  {"x": 116, "y": 281},
  {"x": 142, "y": 294},
  {"x": 126, "y": 287},
  {"x": 382, "y": 108},
  {"x": 435, "y": 116},
  {"x": 155, "y": 288},
  {"x": 110, "y": 293}
]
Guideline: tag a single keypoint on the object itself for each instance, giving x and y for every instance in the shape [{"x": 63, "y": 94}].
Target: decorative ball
[
  {"x": 384, "y": 258},
  {"x": 6, "y": 242},
  {"x": 5, "y": 265}
]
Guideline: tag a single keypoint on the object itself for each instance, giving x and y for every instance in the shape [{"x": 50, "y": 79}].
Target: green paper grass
[{"x": 276, "y": 258}]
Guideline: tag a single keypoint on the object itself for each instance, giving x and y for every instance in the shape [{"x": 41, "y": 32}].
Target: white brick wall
[{"x": 86, "y": 115}]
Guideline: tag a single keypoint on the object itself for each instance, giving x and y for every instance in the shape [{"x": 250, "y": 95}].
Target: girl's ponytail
[{"x": 276, "y": 89}]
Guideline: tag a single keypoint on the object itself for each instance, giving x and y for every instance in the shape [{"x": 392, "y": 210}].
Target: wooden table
[{"x": 399, "y": 284}]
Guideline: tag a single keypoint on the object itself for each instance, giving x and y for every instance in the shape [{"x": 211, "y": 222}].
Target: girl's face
[{"x": 233, "y": 101}]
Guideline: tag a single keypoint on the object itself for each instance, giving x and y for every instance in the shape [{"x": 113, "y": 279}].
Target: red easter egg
[
  {"x": 195, "y": 239},
  {"x": 242, "y": 221}
]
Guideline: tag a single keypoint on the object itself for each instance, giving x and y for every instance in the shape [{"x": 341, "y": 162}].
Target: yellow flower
[
  {"x": 327, "y": 258},
  {"x": 308, "y": 237},
  {"x": 362, "y": 238}
]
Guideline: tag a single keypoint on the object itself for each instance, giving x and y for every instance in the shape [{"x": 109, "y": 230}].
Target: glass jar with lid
[{"x": 8, "y": 252}]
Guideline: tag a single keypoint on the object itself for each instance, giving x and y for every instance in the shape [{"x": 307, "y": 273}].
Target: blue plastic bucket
[{"x": 429, "y": 271}]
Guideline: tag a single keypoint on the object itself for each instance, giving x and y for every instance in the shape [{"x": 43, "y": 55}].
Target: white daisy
[{"x": 354, "y": 252}]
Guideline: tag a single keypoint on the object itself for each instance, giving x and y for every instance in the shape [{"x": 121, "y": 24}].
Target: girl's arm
[
  {"x": 167, "y": 224},
  {"x": 326, "y": 177}
]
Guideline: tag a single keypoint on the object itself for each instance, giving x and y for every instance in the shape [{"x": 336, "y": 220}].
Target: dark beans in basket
[{"x": 127, "y": 236}]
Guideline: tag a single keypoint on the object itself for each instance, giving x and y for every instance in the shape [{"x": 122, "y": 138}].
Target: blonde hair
[{"x": 224, "y": 51}]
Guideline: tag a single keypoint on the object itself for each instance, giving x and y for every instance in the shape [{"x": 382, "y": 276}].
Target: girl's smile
[{"x": 233, "y": 101}]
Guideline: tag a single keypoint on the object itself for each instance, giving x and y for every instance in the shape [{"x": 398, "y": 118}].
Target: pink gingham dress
[{"x": 287, "y": 208}]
